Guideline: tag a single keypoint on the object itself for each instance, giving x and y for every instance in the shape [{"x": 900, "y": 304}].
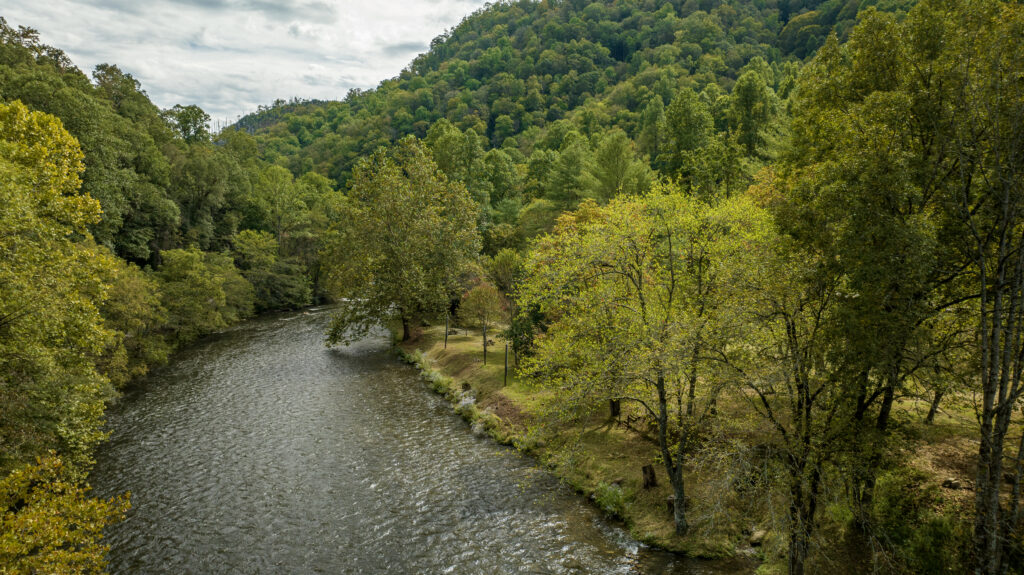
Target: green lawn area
[{"x": 607, "y": 456}]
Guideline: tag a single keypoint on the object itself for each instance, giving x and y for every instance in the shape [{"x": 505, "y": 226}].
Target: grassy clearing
[{"x": 607, "y": 457}]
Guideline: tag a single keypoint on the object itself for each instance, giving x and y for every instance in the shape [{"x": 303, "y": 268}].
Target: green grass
[
  {"x": 606, "y": 457},
  {"x": 604, "y": 454}
]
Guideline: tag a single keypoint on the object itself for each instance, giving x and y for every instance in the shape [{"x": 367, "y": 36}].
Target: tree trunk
[
  {"x": 650, "y": 479},
  {"x": 679, "y": 509},
  {"x": 673, "y": 466},
  {"x": 406, "y": 334},
  {"x": 797, "y": 529},
  {"x": 885, "y": 409},
  {"x": 934, "y": 408},
  {"x": 691, "y": 392},
  {"x": 986, "y": 524},
  {"x": 679, "y": 486},
  {"x": 874, "y": 458},
  {"x": 1011, "y": 545},
  {"x": 802, "y": 510}
]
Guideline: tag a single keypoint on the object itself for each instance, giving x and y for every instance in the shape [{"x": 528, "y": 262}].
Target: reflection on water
[{"x": 261, "y": 451}]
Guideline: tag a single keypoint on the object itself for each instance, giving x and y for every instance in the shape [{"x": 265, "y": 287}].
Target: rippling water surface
[{"x": 261, "y": 451}]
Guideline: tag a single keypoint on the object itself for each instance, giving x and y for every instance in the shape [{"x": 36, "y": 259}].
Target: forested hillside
[
  {"x": 535, "y": 105},
  {"x": 779, "y": 241}
]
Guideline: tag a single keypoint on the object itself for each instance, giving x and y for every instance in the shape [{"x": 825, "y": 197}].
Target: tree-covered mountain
[
  {"x": 767, "y": 232},
  {"x": 514, "y": 68},
  {"x": 535, "y": 105}
]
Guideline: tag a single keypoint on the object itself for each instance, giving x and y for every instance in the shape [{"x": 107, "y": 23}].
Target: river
[{"x": 259, "y": 450}]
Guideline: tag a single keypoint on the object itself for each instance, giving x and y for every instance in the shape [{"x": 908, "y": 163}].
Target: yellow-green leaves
[
  {"x": 634, "y": 287},
  {"x": 51, "y": 284},
  {"x": 53, "y": 279},
  {"x": 50, "y": 525}
]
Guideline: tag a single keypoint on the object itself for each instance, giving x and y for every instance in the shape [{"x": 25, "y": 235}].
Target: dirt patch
[
  {"x": 504, "y": 408},
  {"x": 952, "y": 458}
]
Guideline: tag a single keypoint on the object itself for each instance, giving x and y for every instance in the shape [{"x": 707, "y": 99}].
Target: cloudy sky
[{"x": 229, "y": 56}]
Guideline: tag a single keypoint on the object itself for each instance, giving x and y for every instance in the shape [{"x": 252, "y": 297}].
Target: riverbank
[
  {"x": 260, "y": 450},
  {"x": 607, "y": 455},
  {"x": 932, "y": 489}
]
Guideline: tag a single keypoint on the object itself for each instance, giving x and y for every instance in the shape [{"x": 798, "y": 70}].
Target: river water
[{"x": 261, "y": 451}]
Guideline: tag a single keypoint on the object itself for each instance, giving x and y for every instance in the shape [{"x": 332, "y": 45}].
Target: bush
[
  {"x": 904, "y": 519},
  {"x": 611, "y": 498}
]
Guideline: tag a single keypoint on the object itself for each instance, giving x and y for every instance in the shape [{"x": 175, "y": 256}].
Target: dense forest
[
  {"x": 783, "y": 238},
  {"x": 127, "y": 232}
]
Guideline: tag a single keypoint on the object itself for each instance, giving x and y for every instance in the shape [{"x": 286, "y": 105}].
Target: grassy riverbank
[{"x": 608, "y": 455}]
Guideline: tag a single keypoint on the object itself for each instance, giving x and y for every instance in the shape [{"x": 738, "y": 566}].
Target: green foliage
[
  {"x": 617, "y": 170},
  {"x": 612, "y": 499},
  {"x": 405, "y": 235},
  {"x": 120, "y": 131},
  {"x": 133, "y": 311},
  {"x": 51, "y": 288},
  {"x": 191, "y": 122},
  {"x": 53, "y": 285},
  {"x": 904, "y": 517},
  {"x": 481, "y": 306},
  {"x": 642, "y": 293},
  {"x": 513, "y": 70},
  {"x": 239, "y": 298},
  {"x": 278, "y": 284},
  {"x": 202, "y": 293},
  {"x": 688, "y": 127},
  {"x": 505, "y": 269},
  {"x": 50, "y": 525},
  {"x": 753, "y": 107},
  {"x": 280, "y": 200},
  {"x": 892, "y": 165}
]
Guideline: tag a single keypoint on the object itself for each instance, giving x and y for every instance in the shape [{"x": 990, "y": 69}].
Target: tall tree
[
  {"x": 51, "y": 288},
  {"x": 911, "y": 187},
  {"x": 482, "y": 307},
  {"x": 405, "y": 234},
  {"x": 793, "y": 387},
  {"x": 752, "y": 112},
  {"x": 980, "y": 46},
  {"x": 638, "y": 294}
]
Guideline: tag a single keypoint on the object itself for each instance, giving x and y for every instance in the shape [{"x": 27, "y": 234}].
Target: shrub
[
  {"x": 611, "y": 498},
  {"x": 905, "y": 520}
]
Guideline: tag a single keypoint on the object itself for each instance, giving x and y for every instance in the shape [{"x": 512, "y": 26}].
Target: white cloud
[{"x": 229, "y": 56}]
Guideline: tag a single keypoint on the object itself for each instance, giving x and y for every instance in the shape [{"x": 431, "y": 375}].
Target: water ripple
[{"x": 261, "y": 451}]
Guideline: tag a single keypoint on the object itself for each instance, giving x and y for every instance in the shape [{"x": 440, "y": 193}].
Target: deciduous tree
[{"x": 405, "y": 234}]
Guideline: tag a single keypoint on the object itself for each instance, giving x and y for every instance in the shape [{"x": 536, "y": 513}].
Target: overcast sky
[{"x": 229, "y": 56}]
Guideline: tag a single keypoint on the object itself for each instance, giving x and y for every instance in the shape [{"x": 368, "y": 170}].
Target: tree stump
[
  {"x": 615, "y": 407},
  {"x": 650, "y": 479}
]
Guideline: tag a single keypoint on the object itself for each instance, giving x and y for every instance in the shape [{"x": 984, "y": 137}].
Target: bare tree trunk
[
  {"x": 673, "y": 466},
  {"x": 934, "y": 409},
  {"x": 691, "y": 392}
]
